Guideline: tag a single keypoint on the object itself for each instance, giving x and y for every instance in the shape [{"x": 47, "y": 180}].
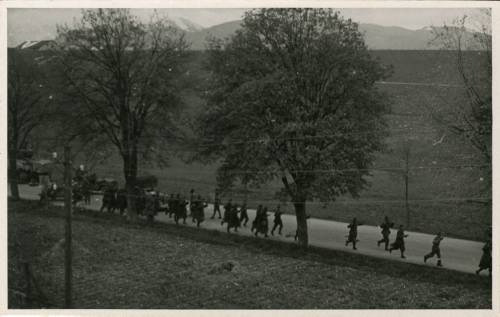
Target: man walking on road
[
  {"x": 386, "y": 231},
  {"x": 262, "y": 224},
  {"x": 244, "y": 213},
  {"x": 277, "y": 221},
  {"x": 258, "y": 214},
  {"x": 435, "y": 249},
  {"x": 216, "y": 205},
  {"x": 150, "y": 209},
  {"x": 353, "y": 233},
  {"x": 191, "y": 201},
  {"x": 172, "y": 205},
  {"x": 198, "y": 210},
  {"x": 399, "y": 244},
  {"x": 485, "y": 262},
  {"x": 180, "y": 209},
  {"x": 227, "y": 212}
]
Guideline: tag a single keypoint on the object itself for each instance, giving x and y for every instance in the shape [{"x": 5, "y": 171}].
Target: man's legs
[
  {"x": 438, "y": 253},
  {"x": 429, "y": 255},
  {"x": 274, "y": 227}
]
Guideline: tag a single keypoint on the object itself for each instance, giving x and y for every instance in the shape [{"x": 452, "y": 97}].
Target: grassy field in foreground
[{"x": 118, "y": 265}]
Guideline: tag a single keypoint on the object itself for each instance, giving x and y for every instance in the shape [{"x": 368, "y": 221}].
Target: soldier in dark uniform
[
  {"x": 86, "y": 191},
  {"x": 108, "y": 199},
  {"x": 258, "y": 214},
  {"x": 171, "y": 205},
  {"x": 198, "y": 210},
  {"x": 399, "y": 244},
  {"x": 277, "y": 221},
  {"x": 193, "y": 207},
  {"x": 227, "y": 211},
  {"x": 121, "y": 200},
  {"x": 262, "y": 223},
  {"x": 150, "y": 207},
  {"x": 485, "y": 262},
  {"x": 179, "y": 209},
  {"x": 435, "y": 249},
  {"x": 191, "y": 201},
  {"x": 353, "y": 233},
  {"x": 386, "y": 231},
  {"x": 216, "y": 205},
  {"x": 232, "y": 218},
  {"x": 244, "y": 213},
  {"x": 183, "y": 210}
]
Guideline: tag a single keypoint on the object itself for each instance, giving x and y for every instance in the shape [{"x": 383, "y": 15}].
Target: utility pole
[
  {"x": 407, "y": 206},
  {"x": 67, "y": 250}
]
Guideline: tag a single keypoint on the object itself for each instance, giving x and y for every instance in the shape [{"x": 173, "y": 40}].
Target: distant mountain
[
  {"x": 379, "y": 37},
  {"x": 186, "y": 25},
  {"x": 34, "y": 29},
  {"x": 198, "y": 39},
  {"x": 376, "y": 36}
]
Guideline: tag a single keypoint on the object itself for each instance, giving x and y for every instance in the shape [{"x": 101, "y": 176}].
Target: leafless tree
[
  {"x": 470, "y": 38},
  {"x": 27, "y": 108},
  {"x": 121, "y": 77}
]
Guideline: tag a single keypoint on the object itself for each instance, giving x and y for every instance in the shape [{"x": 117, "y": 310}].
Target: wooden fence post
[{"x": 68, "y": 235}]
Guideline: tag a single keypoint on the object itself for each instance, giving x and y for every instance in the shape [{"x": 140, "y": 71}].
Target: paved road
[{"x": 458, "y": 254}]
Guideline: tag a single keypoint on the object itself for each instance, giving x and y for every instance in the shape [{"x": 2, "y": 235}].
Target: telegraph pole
[
  {"x": 67, "y": 250},
  {"x": 407, "y": 206}
]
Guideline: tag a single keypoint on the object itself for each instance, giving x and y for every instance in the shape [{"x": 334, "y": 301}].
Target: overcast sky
[{"x": 38, "y": 24}]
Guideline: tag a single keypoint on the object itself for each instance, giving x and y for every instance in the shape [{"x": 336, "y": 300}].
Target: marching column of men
[
  {"x": 398, "y": 244},
  {"x": 148, "y": 203}
]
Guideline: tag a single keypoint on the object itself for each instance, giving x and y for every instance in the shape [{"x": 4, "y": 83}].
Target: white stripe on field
[{"x": 415, "y": 84}]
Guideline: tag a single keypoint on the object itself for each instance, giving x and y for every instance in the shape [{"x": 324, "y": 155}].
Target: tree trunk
[
  {"x": 131, "y": 199},
  {"x": 300, "y": 212},
  {"x": 13, "y": 181},
  {"x": 130, "y": 171}
]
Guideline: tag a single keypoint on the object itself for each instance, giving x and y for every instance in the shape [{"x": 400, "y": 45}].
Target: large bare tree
[
  {"x": 121, "y": 76},
  {"x": 469, "y": 37},
  {"x": 27, "y": 107}
]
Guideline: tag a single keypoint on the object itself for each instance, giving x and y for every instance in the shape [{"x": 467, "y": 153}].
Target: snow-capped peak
[{"x": 186, "y": 25}]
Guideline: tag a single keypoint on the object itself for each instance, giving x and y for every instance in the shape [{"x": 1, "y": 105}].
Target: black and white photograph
[{"x": 302, "y": 157}]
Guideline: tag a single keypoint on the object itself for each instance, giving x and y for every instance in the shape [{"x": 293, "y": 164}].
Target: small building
[{"x": 37, "y": 45}]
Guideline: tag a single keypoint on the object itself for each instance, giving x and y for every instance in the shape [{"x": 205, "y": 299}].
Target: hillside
[
  {"x": 436, "y": 177},
  {"x": 377, "y": 37},
  {"x": 221, "y": 31}
]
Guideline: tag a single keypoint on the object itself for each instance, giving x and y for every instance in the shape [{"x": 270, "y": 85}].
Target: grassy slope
[{"x": 122, "y": 266}]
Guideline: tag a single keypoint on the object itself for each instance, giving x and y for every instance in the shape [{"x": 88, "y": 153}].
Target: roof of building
[{"x": 37, "y": 45}]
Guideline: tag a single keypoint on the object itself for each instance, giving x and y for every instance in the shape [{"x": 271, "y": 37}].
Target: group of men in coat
[
  {"x": 235, "y": 216},
  {"x": 399, "y": 243}
]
